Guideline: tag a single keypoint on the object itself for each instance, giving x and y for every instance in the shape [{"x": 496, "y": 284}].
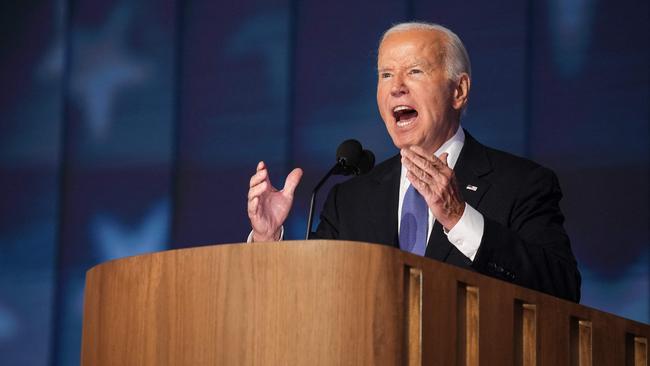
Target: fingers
[
  {"x": 443, "y": 157},
  {"x": 432, "y": 177},
  {"x": 292, "y": 181},
  {"x": 429, "y": 175},
  {"x": 260, "y": 175},
  {"x": 257, "y": 190},
  {"x": 425, "y": 161},
  {"x": 438, "y": 162},
  {"x": 420, "y": 185},
  {"x": 253, "y": 204},
  {"x": 259, "y": 183},
  {"x": 423, "y": 169},
  {"x": 422, "y": 164}
]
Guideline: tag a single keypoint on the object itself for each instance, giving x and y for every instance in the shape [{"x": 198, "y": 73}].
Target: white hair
[{"x": 455, "y": 55}]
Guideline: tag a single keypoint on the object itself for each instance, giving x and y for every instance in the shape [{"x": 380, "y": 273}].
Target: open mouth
[{"x": 404, "y": 115}]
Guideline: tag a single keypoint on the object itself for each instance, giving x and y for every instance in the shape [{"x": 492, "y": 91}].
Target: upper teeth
[{"x": 400, "y": 108}]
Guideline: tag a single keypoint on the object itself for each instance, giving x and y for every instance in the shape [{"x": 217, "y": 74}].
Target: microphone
[
  {"x": 351, "y": 159},
  {"x": 366, "y": 163},
  {"x": 348, "y": 155}
]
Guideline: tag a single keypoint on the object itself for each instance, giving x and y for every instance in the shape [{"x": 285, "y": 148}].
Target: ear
[{"x": 461, "y": 92}]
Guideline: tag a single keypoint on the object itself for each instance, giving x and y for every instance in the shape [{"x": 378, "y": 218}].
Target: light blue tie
[{"x": 414, "y": 223}]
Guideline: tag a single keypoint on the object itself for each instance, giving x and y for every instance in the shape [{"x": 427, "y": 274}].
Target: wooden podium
[{"x": 334, "y": 303}]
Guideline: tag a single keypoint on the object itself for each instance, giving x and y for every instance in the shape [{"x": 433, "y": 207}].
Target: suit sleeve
[{"x": 533, "y": 249}]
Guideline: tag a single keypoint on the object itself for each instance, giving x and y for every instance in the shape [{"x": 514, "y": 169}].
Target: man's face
[{"x": 414, "y": 93}]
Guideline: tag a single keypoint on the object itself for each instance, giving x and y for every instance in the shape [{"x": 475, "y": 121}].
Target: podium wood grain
[{"x": 333, "y": 303}]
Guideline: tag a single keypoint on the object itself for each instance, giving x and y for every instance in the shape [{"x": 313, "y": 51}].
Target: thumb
[{"x": 292, "y": 181}]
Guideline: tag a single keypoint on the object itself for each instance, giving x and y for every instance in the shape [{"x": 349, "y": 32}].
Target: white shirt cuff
[
  {"x": 250, "y": 236},
  {"x": 466, "y": 235}
]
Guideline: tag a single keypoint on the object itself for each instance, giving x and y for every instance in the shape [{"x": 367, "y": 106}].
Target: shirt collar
[{"x": 452, "y": 147}]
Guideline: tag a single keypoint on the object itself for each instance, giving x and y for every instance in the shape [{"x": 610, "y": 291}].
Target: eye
[
  {"x": 384, "y": 75},
  {"x": 415, "y": 71}
]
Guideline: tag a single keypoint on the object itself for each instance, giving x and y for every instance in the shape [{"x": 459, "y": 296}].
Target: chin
[
  {"x": 402, "y": 144},
  {"x": 403, "y": 140}
]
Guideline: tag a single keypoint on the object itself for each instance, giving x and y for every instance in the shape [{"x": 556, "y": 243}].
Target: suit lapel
[
  {"x": 472, "y": 164},
  {"x": 383, "y": 203}
]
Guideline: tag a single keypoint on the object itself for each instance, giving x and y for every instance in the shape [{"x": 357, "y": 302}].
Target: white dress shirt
[{"x": 467, "y": 233}]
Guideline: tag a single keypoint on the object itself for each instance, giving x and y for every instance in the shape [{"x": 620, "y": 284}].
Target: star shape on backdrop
[
  {"x": 570, "y": 24},
  {"x": 52, "y": 65},
  {"x": 265, "y": 34},
  {"x": 101, "y": 66},
  {"x": 113, "y": 239},
  {"x": 8, "y": 323}
]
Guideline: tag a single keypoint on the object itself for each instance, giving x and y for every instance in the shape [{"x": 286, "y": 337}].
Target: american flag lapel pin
[{"x": 471, "y": 188}]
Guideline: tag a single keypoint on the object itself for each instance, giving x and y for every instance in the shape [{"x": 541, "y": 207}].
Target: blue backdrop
[{"x": 130, "y": 127}]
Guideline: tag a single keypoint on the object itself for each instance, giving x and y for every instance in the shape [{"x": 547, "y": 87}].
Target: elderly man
[{"x": 445, "y": 196}]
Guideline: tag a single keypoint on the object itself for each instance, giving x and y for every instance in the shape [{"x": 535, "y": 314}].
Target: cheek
[
  {"x": 380, "y": 94},
  {"x": 382, "y": 105}
]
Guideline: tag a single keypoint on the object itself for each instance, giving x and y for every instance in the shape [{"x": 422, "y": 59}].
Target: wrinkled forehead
[{"x": 412, "y": 46}]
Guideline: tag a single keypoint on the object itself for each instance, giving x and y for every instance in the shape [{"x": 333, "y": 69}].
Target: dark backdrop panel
[
  {"x": 495, "y": 34},
  {"x": 335, "y": 83},
  {"x": 590, "y": 123},
  {"x": 30, "y": 129},
  {"x": 118, "y": 142},
  {"x": 234, "y": 110}
]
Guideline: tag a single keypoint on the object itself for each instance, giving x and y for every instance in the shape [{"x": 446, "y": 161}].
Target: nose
[{"x": 398, "y": 88}]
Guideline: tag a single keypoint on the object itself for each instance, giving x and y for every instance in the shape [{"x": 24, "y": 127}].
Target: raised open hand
[
  {"x": 268, "y": 207},
  {"x": 436, "y": 182}
]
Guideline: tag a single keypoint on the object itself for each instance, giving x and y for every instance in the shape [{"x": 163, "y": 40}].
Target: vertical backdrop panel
[
  {"x": 495, "y": 35},
  {"x": 30, "y": 130},
  {"x": 118, "y": 145},
  {"x": 590, "y": 108},
  {"x": 335, "y": 88},
  {"x": 234, "y": 102}
]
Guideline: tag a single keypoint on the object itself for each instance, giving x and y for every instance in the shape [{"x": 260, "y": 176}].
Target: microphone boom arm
[
  {"x": 312, "y": 202},
  {"x": 351, "y": 159}
]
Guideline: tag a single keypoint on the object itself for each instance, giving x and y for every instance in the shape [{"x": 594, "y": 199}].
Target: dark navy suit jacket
[{"x": 524, "y": 241}]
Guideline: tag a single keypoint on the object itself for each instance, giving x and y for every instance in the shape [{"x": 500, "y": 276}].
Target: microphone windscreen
[
  {"x": 349, "y": 153},
  {"x": 367, "y": 162}
]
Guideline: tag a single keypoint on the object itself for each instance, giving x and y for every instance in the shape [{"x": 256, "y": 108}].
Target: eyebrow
[{"x": 418, "y": 63}]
